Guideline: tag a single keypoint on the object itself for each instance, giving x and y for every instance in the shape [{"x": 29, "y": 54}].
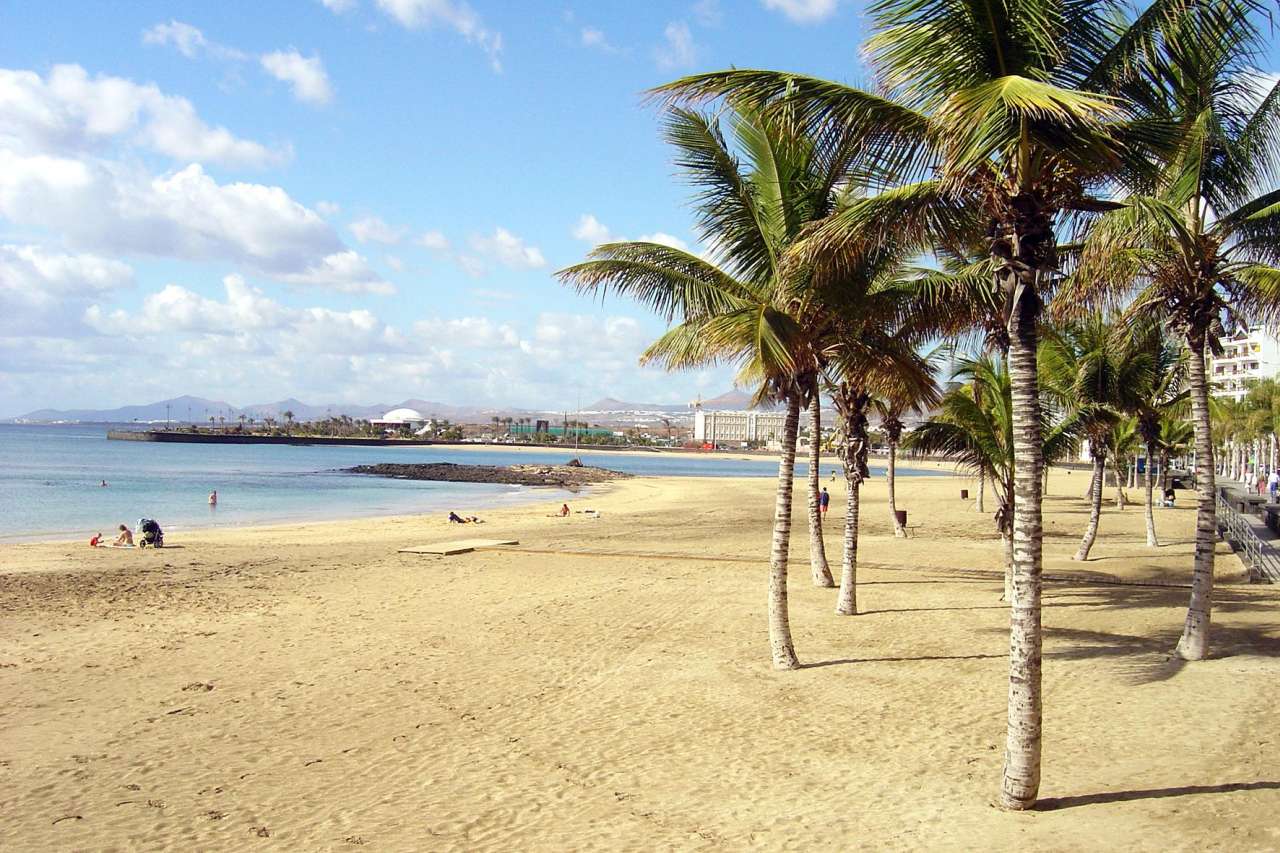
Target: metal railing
[{"x": 1262, "y": 559}]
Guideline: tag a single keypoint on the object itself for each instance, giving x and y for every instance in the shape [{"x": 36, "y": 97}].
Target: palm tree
[
  {"x": 743, "y": 306},
  {"x": 999, "y": 108},
  {"x": 1202, "y": 242},
  {"x": 870, "y": 359},
  {"x": 1087, "y": 372},
  {"x": 1175, "y": 439},
  {"x": 1153, "y": 402},
  {"x": 891, "y": 409},
  {"x": 288, "y": 419},
  {"x": 974, "y": 428}
]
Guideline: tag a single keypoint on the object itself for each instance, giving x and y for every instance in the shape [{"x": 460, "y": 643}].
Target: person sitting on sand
[
  {"x": 125, "y": 537},
  {"x": 564, "y": 510},
  {"x": 96, "y": 540},
  {"x": 459, "y": 519},
  {"x": 1169, "y": 497}
]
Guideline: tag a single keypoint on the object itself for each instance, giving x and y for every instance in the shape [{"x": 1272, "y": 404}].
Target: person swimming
[{"x": 213, "y": 498}]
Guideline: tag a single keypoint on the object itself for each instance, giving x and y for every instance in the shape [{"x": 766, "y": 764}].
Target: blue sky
[{"x": 349, "y": 200}]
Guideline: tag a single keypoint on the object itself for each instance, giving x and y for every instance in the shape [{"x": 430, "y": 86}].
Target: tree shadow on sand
[
  {"x": 843, "y": 661},
  {"x": 1054, "y": 803}
]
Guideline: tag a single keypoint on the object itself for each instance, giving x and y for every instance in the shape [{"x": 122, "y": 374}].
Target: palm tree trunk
[
  {"x": 1149, "y": 482},
  {"x": 898, "y": 530},
  {"x": 784, "y": 652},
  {"x": 1021, "y": 781},
  {"x": 817, "y": 548},
  {"x": 1120, "y": 480},
  {"x": 1164, "y": 472},
  {"x": 1007, "y": 542},
  {"x": 982, "y": 488},
  {"x": 847, "y": 600},
  {"x": 1194, "y": 644},
  {"x": 1095, "y": 507}
]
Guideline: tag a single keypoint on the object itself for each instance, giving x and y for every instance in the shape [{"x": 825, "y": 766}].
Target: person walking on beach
[
  {"x": 1273, "y": 485},
  {"x": 824, "y": 500},
  {"x": 213, "y": 498}
]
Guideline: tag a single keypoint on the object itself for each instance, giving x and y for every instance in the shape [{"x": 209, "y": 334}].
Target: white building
[
  {"x": 1247, "y": 356},
  {"x": 399, "y": 419},
  {"x": 737, "y": 427}
]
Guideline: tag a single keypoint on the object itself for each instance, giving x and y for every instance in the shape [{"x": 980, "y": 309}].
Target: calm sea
[{"x": 50, "y": 481}]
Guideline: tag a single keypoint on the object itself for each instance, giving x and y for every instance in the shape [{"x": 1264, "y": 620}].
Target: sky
[{"x": 352, "y": 201}]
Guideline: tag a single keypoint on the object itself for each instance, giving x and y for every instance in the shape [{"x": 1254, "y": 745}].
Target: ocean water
[{"x": 50, "y": 481}]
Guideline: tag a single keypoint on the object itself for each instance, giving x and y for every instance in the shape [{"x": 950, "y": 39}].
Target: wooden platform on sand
[{"x": 461, "y": 546}]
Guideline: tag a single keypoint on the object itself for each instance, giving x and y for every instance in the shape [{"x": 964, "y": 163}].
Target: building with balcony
[
  {"x": 1247, "y": 357},
  {"x": 738, "y": 427}
]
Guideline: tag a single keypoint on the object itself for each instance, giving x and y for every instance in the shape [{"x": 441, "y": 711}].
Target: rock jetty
[{"x": 570, "y": 476}]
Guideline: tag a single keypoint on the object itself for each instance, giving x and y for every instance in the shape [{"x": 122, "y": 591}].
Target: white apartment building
[
  {"x": 737, "y": 427},
  {"x": 1246, "y": 357}
]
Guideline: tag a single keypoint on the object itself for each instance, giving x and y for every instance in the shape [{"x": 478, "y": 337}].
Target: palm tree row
[{"x": 994, "y": 131}]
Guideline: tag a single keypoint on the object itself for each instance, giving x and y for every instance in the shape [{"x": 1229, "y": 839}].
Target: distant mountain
[
  {"x": 730, "y": 401},
  {"x": 186, "y": 409},
  {"x": 177, "y": 409},
  {"x": 612, "y": 404}
]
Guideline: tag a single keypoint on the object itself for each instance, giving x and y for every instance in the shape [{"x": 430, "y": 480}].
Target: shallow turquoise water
[{"x": 50, "y": 475}]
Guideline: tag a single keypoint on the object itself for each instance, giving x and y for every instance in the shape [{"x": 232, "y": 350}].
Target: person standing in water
[{"x": 213, "y": 498}]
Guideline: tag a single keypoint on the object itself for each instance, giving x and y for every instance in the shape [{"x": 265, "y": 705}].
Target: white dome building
[{"x": 401, "y": 418}]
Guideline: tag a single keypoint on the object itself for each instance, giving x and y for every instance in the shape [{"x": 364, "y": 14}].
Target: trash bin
[
  {"x": 964, "y": 494},
  {"x": 902, "y": 517}
]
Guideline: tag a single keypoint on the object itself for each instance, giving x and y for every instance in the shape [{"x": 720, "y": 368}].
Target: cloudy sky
[{"x": 349, "y": 200}]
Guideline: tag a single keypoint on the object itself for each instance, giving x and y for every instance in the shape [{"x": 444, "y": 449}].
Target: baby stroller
[{"x": 149, "y": 533}]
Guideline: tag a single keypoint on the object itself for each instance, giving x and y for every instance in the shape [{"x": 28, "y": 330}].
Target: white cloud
[
  {"x": 803, "y": 11},
  {"x": 372, "y": 229},
  {"x": 455, "y": 14},
  {"x": 708, "y": 13},
  {"x": 433, "y": 240},
  {"x": 509, "y": 250},
  {"x": 339, "y": 7},
  {"x": 345, "y": 271},
  {"x": 597, "y": 40},
  {"x": 678, "y": 50},
  {"x": 305, "y": 75},
  {"x": 394, "y": 262},
  {"x": 246, "y": 313},
  {"x": 328, "y": 208},
  {"x": 473, "y": 267},
  {"x": 664, "y": 239},
  {"x": 43, "y": 291},
  {"x": 185, "y": 214},
  {"x": 591, "y": 230},
  {"x": 69, "y": 112},
  {"x": 189, "y": 41}
]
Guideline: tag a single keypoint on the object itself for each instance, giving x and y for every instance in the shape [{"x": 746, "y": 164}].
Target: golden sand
[{"x": 606, "y": 685}]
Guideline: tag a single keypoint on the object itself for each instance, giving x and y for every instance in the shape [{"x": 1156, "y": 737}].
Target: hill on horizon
[{"x": 191, "y": 409}]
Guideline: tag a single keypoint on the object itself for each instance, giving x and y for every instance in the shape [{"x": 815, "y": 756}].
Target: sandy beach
[{"x": 606, "y": 685}]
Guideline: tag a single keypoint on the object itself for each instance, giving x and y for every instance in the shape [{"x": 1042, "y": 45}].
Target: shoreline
[
  {"x": 607, "y": 682},
  {"x": 518, "y": 496}
]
